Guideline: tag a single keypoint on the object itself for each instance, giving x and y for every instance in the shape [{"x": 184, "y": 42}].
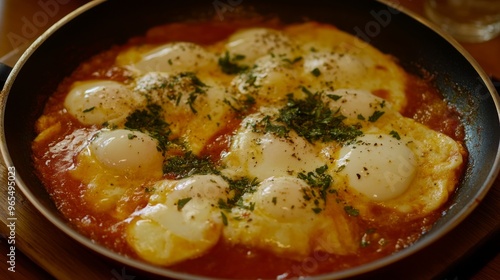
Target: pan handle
[{"x": 4, "y": 74}]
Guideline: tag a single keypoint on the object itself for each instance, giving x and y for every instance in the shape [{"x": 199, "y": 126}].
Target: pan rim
[{"x": 87, "y": 242}]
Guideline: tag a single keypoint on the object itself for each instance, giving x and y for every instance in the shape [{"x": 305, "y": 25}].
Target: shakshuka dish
[{"x": 249, "y": 149}]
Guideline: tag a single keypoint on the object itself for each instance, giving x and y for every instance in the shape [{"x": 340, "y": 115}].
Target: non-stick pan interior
[{"x": 98, "y": 26}]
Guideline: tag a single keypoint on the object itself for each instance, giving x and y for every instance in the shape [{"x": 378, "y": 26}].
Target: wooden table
[{"x": 44, "y": 252}]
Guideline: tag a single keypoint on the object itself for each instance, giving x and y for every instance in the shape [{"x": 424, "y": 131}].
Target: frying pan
[{"x": 99, "y": 25}]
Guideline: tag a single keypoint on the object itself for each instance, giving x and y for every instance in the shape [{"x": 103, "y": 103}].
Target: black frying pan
[{"x": 101, "y": 24}]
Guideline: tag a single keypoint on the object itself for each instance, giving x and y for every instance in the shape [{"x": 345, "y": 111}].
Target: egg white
[
  {"x": 378, "y": 166},
  {"x": 356, "y": 104},
  {"x": 284, "y": 222},
  {"x": 169, "y": 58},
  {"x": 263, "y": 154},
  {"x": 268, "y": 81},
  {"x": 180, "y": 221},
  {"x": 132, "y": 153},
  {"x": 345, "y": 61},
  {"x": 398, "y": 164},
  {"x": 253, "y": 43},
  {"x": 115, "y": 162},
  {"x": 100, "y": 101}
]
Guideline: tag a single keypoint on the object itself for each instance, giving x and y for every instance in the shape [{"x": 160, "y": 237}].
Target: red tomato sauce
[{"x": 56, "y": 155}]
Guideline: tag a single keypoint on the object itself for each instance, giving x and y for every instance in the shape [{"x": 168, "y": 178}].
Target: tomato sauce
[
  {"x": 55, "y": 155},
  {"x": 428, "y": 107}
]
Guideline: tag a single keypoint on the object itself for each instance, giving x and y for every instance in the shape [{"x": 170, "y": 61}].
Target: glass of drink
[{"x": 466, "y": 20}]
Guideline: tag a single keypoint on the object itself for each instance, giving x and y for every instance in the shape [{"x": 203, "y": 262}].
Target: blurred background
[{"x": 22, "y": 21}]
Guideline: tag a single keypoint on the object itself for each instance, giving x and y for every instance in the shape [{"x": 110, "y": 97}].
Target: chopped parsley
[
  {"x": 187, "y": 165},
  {"x": 223, "y": 204},
  {"x": 375, "y": 116},
  {"x": 312, "y": 119},
  {"x": 248, "y": 101},
  {"x": 250, "y": 79},
  {"x": 149, "y": 121},
  {"x": 131, "y": 136},
  {"x": 292, "y": 61},
  {"x": 395, "y": 134},
  {"x": 334, "y": 97},
  {"x": 229, "y": 65},
  {"x": 267, "y": 126},
  {"x": 351, "y": 211},
  {"x": 320, "y": 183},
  {"x": 183, "y": 86},
  {"x": 194, "y": 79},
  {"x": 240, "y": 105},
  {"x": 238, "y": 187},
  {"x": 342, "y": 167},
  {"x": 192, "y": 98},
  {"x": 316, "y": 72},
  {"x": 224, "y": 218},
  {"x": 89, "y": 109},
  {"x": 182, "y": 202},
  {"x": 199, "y": 88}
]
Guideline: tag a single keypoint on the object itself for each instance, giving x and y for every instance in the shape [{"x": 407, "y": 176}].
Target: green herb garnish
[
  {"x": 188, "y": 164},
  {"x": 238, "y": 187},
  {"x": 351, "y": 211},
  {"x": 199, "y": 88},
  {"x": 293, "y": 61},
  {"x": 131, "y": 136},
  {"x": 149, "y": 121},
  {"x": 182, "y": 202},
  {"x": 268, "y": 126},
  {"x": 334, "y": 97},
  {"x": 240, "y": 105},
  {"x": 224, "y": 218},
  {"x": 316, "y": 72},
  {"x": 395, "y": 134},
  {"x": 375, "y": 116},
  {"x": 320, "y": 183},
  {"x": 229, "y": 65},
  {"x": 89, "y": 109},
  {"x": 312, "y": 119}
]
